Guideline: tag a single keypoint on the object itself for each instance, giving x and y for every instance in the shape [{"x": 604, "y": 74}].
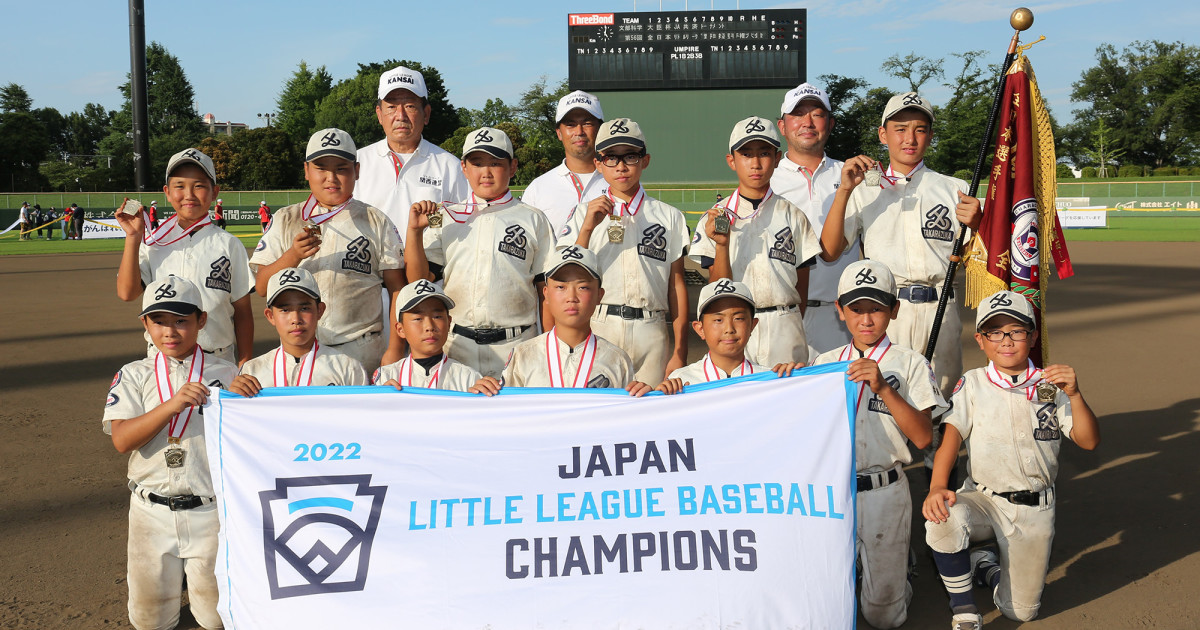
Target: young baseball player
[
  {"x": 491, "y": 250},
  {"x": 570, "y": 354},
  {"x": 424, "y": 321},
  {"x": 896, "y": 401},
  {"x": 1012, "y": 417},
  {"x": 153, "y": 413},
  {"x": 25, "y": 221},
  {"x": 153, "y": 212},
  {"x": 294, "y": 308},
  {"x": 349, "y": 247},
  {"x": 640, "y": 243},
  {"x": 764, "y": 241},
  {"x": 558, "y": 191},
  {"x": 219, "y": 214},
  {"x": 907, "y": 217},
  {"x": 189, "y": 246},
  {"x": 264, "y": 215}
]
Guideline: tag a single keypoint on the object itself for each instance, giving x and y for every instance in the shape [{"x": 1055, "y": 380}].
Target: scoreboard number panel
[{"x": 687, "y": 49}]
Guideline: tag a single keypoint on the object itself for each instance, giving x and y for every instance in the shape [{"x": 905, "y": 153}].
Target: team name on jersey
[
  {"x": 876, "y": 403},
  {"x": 429, "y": 181},
  {"x": 1047, "y": 423},
  {"x": 358, "y": 256},
  {"x": 220, "y": 277},
  {"x": 514, "y": 242},
  {"x": 654, "y": 243},
  {"x": 938, "y": 226},
  {"x": 784, "y": 247}
]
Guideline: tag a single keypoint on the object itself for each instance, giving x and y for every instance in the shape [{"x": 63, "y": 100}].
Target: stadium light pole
[{"x": 137, "y": 89}]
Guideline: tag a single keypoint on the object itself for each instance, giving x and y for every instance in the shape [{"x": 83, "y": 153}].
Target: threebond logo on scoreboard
[
  {"x": 322, "y": 529},
  {"x": 591, "y": 19}
]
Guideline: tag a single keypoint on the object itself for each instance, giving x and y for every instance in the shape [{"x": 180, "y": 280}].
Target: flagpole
[{"x": 1021, "y": 19}]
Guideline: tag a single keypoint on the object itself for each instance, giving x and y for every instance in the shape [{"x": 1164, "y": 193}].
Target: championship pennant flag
[
  {"x": 729, "y": 505},
  {"x": 1019, "y": 234}
]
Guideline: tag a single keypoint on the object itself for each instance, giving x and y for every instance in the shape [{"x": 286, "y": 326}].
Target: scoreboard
[{"x": 687, "y": 49}]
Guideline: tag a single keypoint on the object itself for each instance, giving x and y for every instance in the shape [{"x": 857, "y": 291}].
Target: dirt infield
[{"x": 1126, "y": 553}]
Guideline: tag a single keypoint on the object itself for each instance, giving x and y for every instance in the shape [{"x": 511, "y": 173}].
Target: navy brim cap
[
  {"x": 345, "y": 155},
  {"x": 748, "y": 139},
  {"x": 177, "y": 308},
  {"x": 620, "y": 141},
  {"x": 866, "y": 293},
  {"x": 1017, "y": 315},
  {"x": 411, "y": 304}
]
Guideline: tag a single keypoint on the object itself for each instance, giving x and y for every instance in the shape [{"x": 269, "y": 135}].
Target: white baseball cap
[
  {"x": 218, "y": 201},
  {"x": 489, "y": 140},
  {"x": 414, "y": 293},
  {"x": 192, "y": 156},
  {"x": 722, "y": 288},
  {"x": 292, "y": 279},
  {"x": 330, "y": 141},
  {"x": 1009, "y": 303},
  {"x": 620, "y": 131},
  {"x": 867, "y": 280},
  {"x": 751, "y": 129},
  {"x": 578, "y": 100},
  {"x": 171, "y": 294},
  {"x": 573, "y": 255},
  {"x": 804, "y": 92},
  {"x": 401, "y": 78},
  {"x": 907, "y": 100},
  {"x": 154, "y": 203}
]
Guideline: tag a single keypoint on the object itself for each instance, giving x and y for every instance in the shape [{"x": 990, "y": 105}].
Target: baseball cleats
[
  {"x": 966, "y": 621},
  {"x": 983, "y": 562}
]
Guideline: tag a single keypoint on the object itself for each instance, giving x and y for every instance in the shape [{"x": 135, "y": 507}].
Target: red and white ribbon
[
  {"x": 575, "y": 181},
  {"x": 309, "y": 213},
  {"x": 397, "y": 163},
  {"x": 875, "y": 354},
  {"x": 734, "y": 200},
  {"x": 307, "y": 365},
  {"x": 1027, "y": 381},
  {"x": 891, "y": 177},
  {"x": 162, "y": 380},
  {"x": 631, "y": 207},
  {"x": 713, "y": 373},
  {"x": 554, "y": 362},
  {"x": 170, "y": 229},
  {"x": 459, "y": 216},
  {"x": 406, "y": 373}
]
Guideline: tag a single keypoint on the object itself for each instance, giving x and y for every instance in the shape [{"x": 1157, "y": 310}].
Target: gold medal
[
  {"x": 435, "y": 219},
  {"x": 174, "y": 454},
  {"x": 1046, "y": 391},
  {"x": 616, "y": 231},
  {"x": 721, "y": 224}
]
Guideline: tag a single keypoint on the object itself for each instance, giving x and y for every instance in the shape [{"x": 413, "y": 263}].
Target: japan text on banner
[{"x": 365, "y": 507}]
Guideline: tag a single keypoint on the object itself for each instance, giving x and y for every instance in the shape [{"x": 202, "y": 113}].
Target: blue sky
[{"x": 238, "y": 54}]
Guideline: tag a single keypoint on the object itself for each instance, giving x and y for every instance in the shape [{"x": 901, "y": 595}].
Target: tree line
[{"x": 1140, "y": 114}]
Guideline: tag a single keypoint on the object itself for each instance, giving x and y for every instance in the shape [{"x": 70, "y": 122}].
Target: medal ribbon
[
  {"x": 397, "y": 163},
  {"x": 1027, "y": 381},
  {"x": 170, "y": 229},
  {"x": 554, "y": 362},
  {"x": 875, "y": 354},
  {"x": 713, "y": 373},
  {"x": 731, "y": 205},
  {"x": 307, "y": 365},
  {"x": 892, "y": 177},
  {"x": 577, "y": 183},
  {"x": 406, "y": 372},
  {"x": 310, "y": 207},
  {"x": 462, "y": 217},
  {"x": 621, "y": 208},
  {"x": 162, "y": 379}
]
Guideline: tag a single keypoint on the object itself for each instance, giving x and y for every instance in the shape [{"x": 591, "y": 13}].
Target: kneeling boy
[{"x": 423, "y": 311}]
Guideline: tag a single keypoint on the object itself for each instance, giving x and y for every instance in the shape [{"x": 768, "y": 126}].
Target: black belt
[
  {"x": 819, "y": 303},
  {"x": 772, "y": 309},
  {"x": 627, "y": 312},
  {"x": 488, "y": 336},
  {"x": 920, "y": 294},
  {"x": 181, "y": 502},
  {"x": 1022, "y": 497},
  {"x": 870, "y": 482}
]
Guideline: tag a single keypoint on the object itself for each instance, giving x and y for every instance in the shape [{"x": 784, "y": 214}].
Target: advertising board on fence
[
  {"x": 1083, "y": 218},
  {"x": 726, "y": 506}
]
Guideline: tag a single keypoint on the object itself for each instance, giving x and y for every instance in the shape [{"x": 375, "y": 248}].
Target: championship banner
[{"x": 729, "y": 505}]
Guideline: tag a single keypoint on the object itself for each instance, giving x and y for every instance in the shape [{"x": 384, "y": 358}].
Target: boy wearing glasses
[
  {"x": 575, "y": 181},
  {"x": 1012, "y": 417},
  {"x": 640, "y": 243}
]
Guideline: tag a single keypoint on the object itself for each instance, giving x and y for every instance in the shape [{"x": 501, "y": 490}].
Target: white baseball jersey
[
  {"x": 765, "y": 248},
  {"x": 909, "y": 226},
  {"x": 1012, "y": 438},
  {"x": 879, "y": 444},
  {"x": 134, "y": 392},
  {"x": 330, "y": 367},
  {"x": 705, "y": 370},
  {"x": 490, "y": 261},
  {"x": 604, "y": 366},
  {"x": 429, "y": 174},
  {"x": 448, "y": 375},
  {"x": 557, "y": 192},
  {"x": 635, "y": 271},
  {"x": 215, "y": 261},
  {"x": 357, "y": 245}
]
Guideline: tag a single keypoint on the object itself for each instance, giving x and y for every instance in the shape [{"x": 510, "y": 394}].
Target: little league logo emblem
[
  {"x": 1025, "y": 241},
  {"x": 317, "y": 533}
]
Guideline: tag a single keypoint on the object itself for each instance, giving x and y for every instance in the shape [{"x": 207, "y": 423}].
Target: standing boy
[
  {"x": 763, "y": 241},
  {"x": 24, "y": 221},
  {"x": 557, "y": 191},
  {"x": 424, "y": 321},
  {"x": 153, "y": 413},
  {"x": 491, "y": 250},
  {"x": 896, "y": 401},
  {"x": 1012, "y": 417},
  {"x": 153, "y": 209},
  {"x": 640, "y": 243},
  {"x": 349, "y": 247},
  {"x": 264, "y": 215},
  {"x": 294, "y": 307},
  {"x": 187, "y": 245},
  {"x": 219, "y": 215}
]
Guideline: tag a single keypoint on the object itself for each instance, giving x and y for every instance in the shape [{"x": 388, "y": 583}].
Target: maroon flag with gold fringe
[{"x": 1020, "y": 234}]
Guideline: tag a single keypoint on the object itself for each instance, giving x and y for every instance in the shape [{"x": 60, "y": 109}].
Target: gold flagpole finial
[{"x": 1021, "y": 19}]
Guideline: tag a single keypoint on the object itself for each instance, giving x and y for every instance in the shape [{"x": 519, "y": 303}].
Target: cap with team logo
[
  {"x": 723, "y": 288},
  {"x": 292, "y": 279},
  {"x": 867, "y": 280},
  {"x": 489, "y": 140},
  {"x": 573, "y": 255},
  {"x": 620, "y": 131},
  {"x": 171, "y": 294},
  {"x": 192, "y": 156},
  {"x": 801, "y": 93},
  {"x": 751, "y": 129},
  {"x": 1014, "y": 305},
  {"x": 907, "y": 100},
  {"x": 414, "y": 293},
  {"x": 578, "y": 100},
  {"x": 330, "y": 142},
  {"x": 401, "y": 78}
]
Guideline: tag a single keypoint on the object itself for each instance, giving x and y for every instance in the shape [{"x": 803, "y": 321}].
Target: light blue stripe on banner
[
  {"x": 224, "y": 502},
  {"x": 333, "y": 502}
]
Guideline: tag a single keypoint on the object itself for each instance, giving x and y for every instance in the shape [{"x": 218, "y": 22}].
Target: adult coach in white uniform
[
  {"x": 405, "y": 168},
  {"x": 808, "y": 177},
  {"x": 575, "y": 181}
]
